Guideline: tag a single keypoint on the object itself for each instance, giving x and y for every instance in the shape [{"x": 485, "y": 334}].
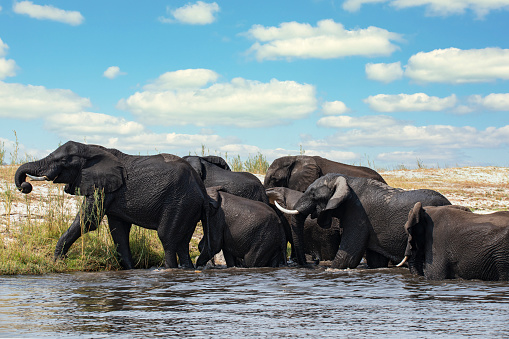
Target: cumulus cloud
[
  {"x": 200, "y": 13},
  {"x": 409, "y": 102},
  {"x": 456, "y": 66},
  {"x": 7, "y": 67},
  {"x": 48, "y": 12},
  {"x": 437, "y": 7},
  {"x": 334, "y": 107},
  {"x": 325, "y": 41},
  {"x": 89, "y": 124},
  {"x": 183, "y": 79},
  {"x": 28, "y": 102},
  {"x": 240, "y": 102},
  {"x": 493, "y": 101},
  {"x": 113, "y": 72},
  {"x": 372, "y": 131},
  {"x": 384, "y": 72}
]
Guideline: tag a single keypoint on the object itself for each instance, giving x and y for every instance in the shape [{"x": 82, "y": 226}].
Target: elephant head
[
  {"x": 324, "y": 199},
  {"x": 295, "y": 172},
  {"x": 83, "y": 168}
]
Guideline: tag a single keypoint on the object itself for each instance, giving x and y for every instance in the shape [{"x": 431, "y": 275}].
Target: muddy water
[{"x": 285, "y": 302}]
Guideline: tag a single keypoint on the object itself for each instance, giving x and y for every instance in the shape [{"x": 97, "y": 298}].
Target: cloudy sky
[{"x": 380, "y": 82}]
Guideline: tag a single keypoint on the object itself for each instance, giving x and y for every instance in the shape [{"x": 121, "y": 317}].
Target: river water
[{"x": 220, "y": 302}]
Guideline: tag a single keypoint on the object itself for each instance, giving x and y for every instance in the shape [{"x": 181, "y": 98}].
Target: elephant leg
[
  {"x": 376, "y": 260},
  {"x": 120, "y": 233},
  {"x": 230, "y": 259},
  {"x": 352, "y": 247},
  {"x": 86, "y": 220}
]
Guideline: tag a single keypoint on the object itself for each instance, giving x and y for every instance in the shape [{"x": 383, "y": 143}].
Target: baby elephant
[
  {"x": 249, "y": 232},
  {"x": 450, "y": 242}
]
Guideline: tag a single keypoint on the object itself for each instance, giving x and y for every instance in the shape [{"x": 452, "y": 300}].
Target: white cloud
[
  {"x": 113, "y": 72},
  {"x": 493, "y": 101},
  {"x": 334, "y": 108},
  {"x": 89, "y": 124},
  {"x": 3, "y": 48},
  {"x": 409, "y": 102},
  {"x": 200, "y": 13},
  {"x": 325, "y": 41},
  {"x": 437, "y": 7},
  {"x": 241, "y": 102},
  {"x": 383, "y": 131},
  {"x": 48, "y": 12},
  {"x": 28, "y": 102},
  {"x": 384, "y": 72},
  {"x": 183, "y": 79},
  {"x": 365, "y": 122},
  {"x": 456, "y": 66},
  {"x": 7, "y": 68}
]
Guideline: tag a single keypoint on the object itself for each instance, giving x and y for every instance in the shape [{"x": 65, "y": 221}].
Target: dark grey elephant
[
  {"x": 372, "y": 216},
  {"x": 299, "y": 171},
  {"x": 215, "y": 171},
  {"x": 320, "y": 243},
  {"x": 160, "y": 192},
  {"x": 451, "y": 242},
  {"x": 249, "y": 232}
]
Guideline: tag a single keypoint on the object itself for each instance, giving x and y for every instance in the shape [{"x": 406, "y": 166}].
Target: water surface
[{"x": 283, "y": 302}]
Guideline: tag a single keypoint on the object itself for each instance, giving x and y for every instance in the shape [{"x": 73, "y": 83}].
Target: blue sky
[{"x": 383, "y": 82}]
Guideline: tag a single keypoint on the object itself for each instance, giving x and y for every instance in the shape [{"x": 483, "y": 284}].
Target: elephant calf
[
  {"x": 450, "y": 242},
  {"x": 249, "y": 232}
]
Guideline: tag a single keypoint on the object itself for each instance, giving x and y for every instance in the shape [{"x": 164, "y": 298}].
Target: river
[{"x": 237, "y": 303}]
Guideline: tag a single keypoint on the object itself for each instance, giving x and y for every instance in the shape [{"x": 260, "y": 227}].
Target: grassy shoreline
[{"x": 30, "y": 225}]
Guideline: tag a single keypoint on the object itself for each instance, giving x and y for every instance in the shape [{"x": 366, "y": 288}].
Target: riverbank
[{"x": 30, "y": 225}]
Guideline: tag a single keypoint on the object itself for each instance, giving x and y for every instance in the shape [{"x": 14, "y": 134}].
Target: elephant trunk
[{"x": 35, "y": 170}]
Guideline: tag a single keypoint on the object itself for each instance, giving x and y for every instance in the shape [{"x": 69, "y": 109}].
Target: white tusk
[
  {"x": 402, "y": 261},
  {"x": 284, "y": 210},
  {"x": 33, "y": 178}
]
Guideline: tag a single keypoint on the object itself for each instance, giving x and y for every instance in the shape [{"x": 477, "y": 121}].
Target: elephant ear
[
  {"x": 214, "y": 198},
  {"x": 218, "y": 161},
  {"x": 304, "y": 172},
  {"x": 341, "y": 193},
  {"x": 415, "y": 227},
  {"x": 102, "y": 170},
  {"x": 195, "y": 163}
]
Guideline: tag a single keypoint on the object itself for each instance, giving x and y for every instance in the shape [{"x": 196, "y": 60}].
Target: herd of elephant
[{"x": 325, "y": 209}]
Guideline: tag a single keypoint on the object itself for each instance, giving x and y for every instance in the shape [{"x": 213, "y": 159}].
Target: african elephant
[
  {"x": 299, "y": 171},
  {"x": 214, "y": 171},
  {"x": 160, "y": 192},
  {"x": 320, "y": 243},
  {"x": 249, "y": 232},
  {"x": 372, "y": 216},
  {"x": 450, "y": 242}
]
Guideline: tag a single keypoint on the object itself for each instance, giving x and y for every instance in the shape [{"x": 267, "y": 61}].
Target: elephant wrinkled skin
[
  {"x": 371, "y": 214},
  {"x": 451, "y": 242},
  {"x": 249, "y": 232},
  {"x": 299, "y": 171},
  {"x": 160, "y": 192}
]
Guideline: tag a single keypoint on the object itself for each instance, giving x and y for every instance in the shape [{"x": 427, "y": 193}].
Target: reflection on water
[{"x": 284, "y": 302}]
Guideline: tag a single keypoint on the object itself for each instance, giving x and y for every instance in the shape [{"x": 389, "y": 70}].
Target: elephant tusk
[
  {"x": 402, "y": 261},
  {"x": 284, "y": 210},
  {"x": 34, "y": 178}
]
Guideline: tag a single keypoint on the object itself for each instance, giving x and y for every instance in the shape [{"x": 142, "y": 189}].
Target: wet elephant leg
[
  {"x": 120, "y": 233},
  {"x": 352, "y": 247}
]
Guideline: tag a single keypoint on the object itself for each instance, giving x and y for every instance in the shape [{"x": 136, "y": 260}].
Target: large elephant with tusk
[
  {"x": 160, "y": 192},
  {"x": 371, "y": 214}
]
